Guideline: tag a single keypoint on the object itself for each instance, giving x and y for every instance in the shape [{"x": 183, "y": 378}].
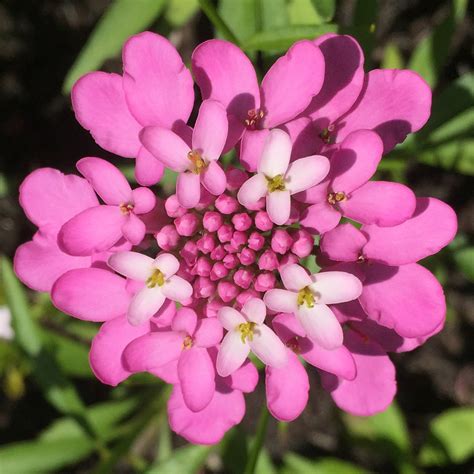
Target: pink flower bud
[
  {"x": 204, "y": 287},
  {"x": 302, "y": 243},
  {"x": 167, "y": 238},
  {"x": 262, "y": 221},
  {"x": 189, "y": 252},
  {"x": 230, "y": 261},
  {"x": 243, "y": 278},
  {"x": 288, "y": 258},
  {"x": 227, "y": 291},
  {"x": 212, "y": 221},
  {"x": 268, "y": 261},
  {"x": 256, "y": 241},
  {"x": 226, "y": 204},
  {"x": 187, "y": 224},
  {"x": 247, "y": 256},
  {"x": 265, "y": 281},
  {"x": 203, "y": 267},
  {"x": 173, "y": 208},
  {"x": 224, "y": 233},
  {"x": 231, "y": 248},
  {"x": 206, "y": 244},
  {"x": 281, "y": 241},
  {"x": 218, "y": 271},
  {"x": 235, "y": 178},
  {"x": 211, "y": 308},
  {"x": 244, "y": 296},
  {"x": 239, "y": 238},
  {"x": 242, "y": 221},
  {"x": 218, "y": 253}
]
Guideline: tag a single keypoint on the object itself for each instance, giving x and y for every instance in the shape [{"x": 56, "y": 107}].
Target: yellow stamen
[
  {"x": 293, "y": 345},
  {"x": 254, "y": 115},
  {"x": 187, "y": 343},
  {"x": 157, "y": 278},
  {"x": 305, "y": 296},
  {"x": 126, "y": 208},
  {"x": 334, "y": 198},
  {"x": 246, "y": 331},
  {"x": 198, "y": 164},
  {"x": 277, "y": 183}
]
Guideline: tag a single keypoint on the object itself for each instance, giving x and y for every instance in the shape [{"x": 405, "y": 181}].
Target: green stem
[
  {"x": 258, "y": 442},
  {"x": 210, "y": 10}
]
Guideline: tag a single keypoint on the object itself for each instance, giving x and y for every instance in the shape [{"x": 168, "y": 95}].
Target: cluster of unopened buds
[{"x": 231, "y": 246}]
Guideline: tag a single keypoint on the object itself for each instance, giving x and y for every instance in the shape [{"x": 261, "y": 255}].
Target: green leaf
[
  {"x": 179, "y": 12},
  {"x": 465, "y": 261},
  {"x": 216, "y": 19},
  {"x": 280, "y": 39},
  {"x": 392, "y": 57},
  {"x": 122, "y": 19},
  {"x": 325, "y": 9},
  {"x": 302, "y": 12},
  {"x": 295, "y": 464},
  {"x": 451, "y": 438},
  {"x": 274, "y": 14},
  {"x": 240, "y": 16},
  {"x": 457, "y": 155},
  {"x": 187, "y": 460}
]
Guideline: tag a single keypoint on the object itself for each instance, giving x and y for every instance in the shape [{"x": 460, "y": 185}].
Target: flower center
[
  {"x": 187, "y": 343},
  {"x": 334, "y": 198},
  {"x": 246, "y": 331},
  {"x": 277, "y": 183},
  {"x": 126, "y": 208},
  {"x": 325, "y": 134},
  {"x": 305, "y": 296},
  {"x": 254, "y": 116},
  {"x": 293, "y": 345},
  {"x": 156, "y": 278},
  {"x": 198, "y": 164}
]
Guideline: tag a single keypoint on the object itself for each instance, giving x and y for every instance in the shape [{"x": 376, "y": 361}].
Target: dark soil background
[{"x": 39, "y": 40}]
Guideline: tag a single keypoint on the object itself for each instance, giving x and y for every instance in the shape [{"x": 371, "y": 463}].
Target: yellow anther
[
  {"x": 305, "y": 296},
  {"x": 157, "y": 278},
  {"x": 277, "y": 183},
  {"x": 334, "y": 198},
  {"x": 187, "y": 342},
  {"x": 254, "y": 115},
  {"x": 246, "y": 331},
  {"x": 293, "y": 345},
  {"x": 198, "y": 164},
  {"x": 126, "y": 208}
]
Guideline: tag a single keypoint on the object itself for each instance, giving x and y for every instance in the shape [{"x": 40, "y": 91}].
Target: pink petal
[
  {"x": 133, "y": 265},
  {"x": 252, "y": 190},
  {"x": 188, "y": 189},
  {"x": 177, "y": 289},
  {"x": 408, "y": 298},
  {"x": 232, "y": 353},
  {"x": 381, "y": 203},
  {"x": 107, "y": 347},
  {"x": 167, "y": 147},
  {"x": 134, "y": 229},
  {"x": 91, "y": 294},
  {"x": 302, "y": 133},
  {"x": 244, "y": 379},
  {"x": 144, "y": 200},
  {"x": 50, "y": 197},
  {"x": 287, "y": 327},
  {"x": 185, "y": 321},
  {"x": 196, "y": 377},
  {"x": 144, "y": 305},
  {"x": 106, "y": 179},
  {"x": 224, "y": 73},
  {"x": 356, "y": 161},
  {"x": 279, "y": 206},
  {"x": 335, "y": 287},
  {"x": 100, "y": 106},
  {"x": 432, "y": 227},
  {"x": 168, "y": 372},
  {"x": 39, "y": 262},
  {"x": 343, "y": 77},
  {"x": 287, "y": 389},
  {"x": 213, "y": 178},
  {"x": 320, "y": 218},
  {"x": 321, "y": 326},
  {"x": 306, "y": 172},
  {"x": 254, "y": 310},
  {"x": 276, "y": 154},
  {"x": 167, "y": 263},
  {"x": 374, "y": 387},
  {"x": 148, "y": 170},
  {"x": 158, "y": 86},
  {"x": 210, "y": 130},
  {"x": 267, "y": 346},
  {"x": 282, "y": 301},
  {"x": 291, "y": 83},
  {"x": 227, "y": 408},
  {"x": 230, "y": 318},
  {"x": 94, "y": 230},
  {"x": 344, "y": 243},
  {"x": 152, "y": 350},
  {"x": 208, "y": 333},
  {"x": 251, "y": 148},
  {"x": 393, "y": 103},
  {"x": 294, "y": 277}
]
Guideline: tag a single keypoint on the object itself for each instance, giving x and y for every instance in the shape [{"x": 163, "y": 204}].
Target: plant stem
[
  {"x": 210, "y": 10},
  {"x": 258, "y": 442}
]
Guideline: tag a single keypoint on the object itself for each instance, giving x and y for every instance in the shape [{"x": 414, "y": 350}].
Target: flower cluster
[{"x": 231, "y": 245}]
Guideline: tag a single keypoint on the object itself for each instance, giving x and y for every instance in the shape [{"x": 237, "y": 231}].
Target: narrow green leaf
[
  {"x": 465, "y": 261},
  {"x": 179, "y": 12},
  {"x": 392, "y": 57},
  {"x": 455, "y": 155},
  {"x": 325, "y": 9},
  {"x": 187, "y": 460},
  {"x": 295, "y": 464},
  {"x": 215, "y": 18},
  {"x": 240, "y": 16},
  {"x": 303, "y": 12},
  {"x": 258, "y": 442},
  {"x": 122, "y": 19},
  {"x": 274, "y": 14}
]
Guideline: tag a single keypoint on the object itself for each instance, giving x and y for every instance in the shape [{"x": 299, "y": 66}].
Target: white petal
[
  {"x": 252, "y": 190},
  {"x": 267, "y": 346},
  {"x": 255, "y": 310},
  {"x": 144, "y": 305},
  {"x": 279, "y": 206},
  {"x": 230, "y": 318},
  {"x": 232, "y": 353},
  {"x": 335, "y": 287},
  {"x": 283, "y": 301},
  {"x": 294, "y": 277},
  {"x": 305, "y": 173},
  {"x": 321, "y": 325},
  {"x": 133, "y": 265},
  {"x": 177, "y": 289},
  {"x": 167, "y": 264},
  {"x": 276, "y": 153}
]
